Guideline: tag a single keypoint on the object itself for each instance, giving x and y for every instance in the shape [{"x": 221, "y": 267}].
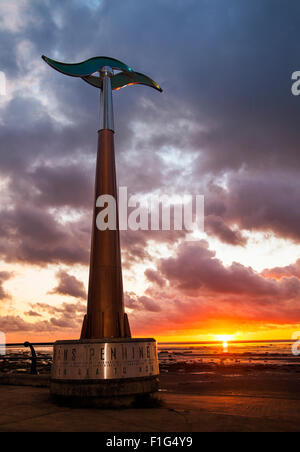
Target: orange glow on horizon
[
  {"x": 225, "y": 338},
  {"x": 213, "y": 331}
]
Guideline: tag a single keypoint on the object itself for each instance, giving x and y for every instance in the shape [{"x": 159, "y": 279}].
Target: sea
[{"x": 271, "y": 352}]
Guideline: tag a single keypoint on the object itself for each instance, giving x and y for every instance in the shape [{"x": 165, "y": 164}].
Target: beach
[
  {"x": 227, "y": 393},
  {"x": 261, "y": 401}
]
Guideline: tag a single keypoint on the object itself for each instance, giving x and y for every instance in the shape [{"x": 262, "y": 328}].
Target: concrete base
[
  {"x": 106, "y": 394},
  {"x": 104, "y": 373}
]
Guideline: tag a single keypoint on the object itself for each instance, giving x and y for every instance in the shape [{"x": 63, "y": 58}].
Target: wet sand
[
  {"x": 31, "y": 409},
  {"x": 203, "y": 399},
  {"x": 255, "y": 380}
]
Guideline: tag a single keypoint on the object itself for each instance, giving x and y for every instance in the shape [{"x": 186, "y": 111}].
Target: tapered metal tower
[
  {"x": 105, "y": 367},
  {"x": 106, "y": 317}
]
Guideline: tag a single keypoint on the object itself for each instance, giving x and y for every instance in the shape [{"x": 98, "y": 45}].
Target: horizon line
[{"x": 254, "y": 341}]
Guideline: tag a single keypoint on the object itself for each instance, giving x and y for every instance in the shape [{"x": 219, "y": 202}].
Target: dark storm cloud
[
  {"x": 154, "y": 277},
  {"x": 68, "y": 185},
  {"x": 28, "y": 234},
  {"x": 69, "y": 285},
  {"x": 216, "y": 226},
  {"x": 134, "y": 244},
  {"x": 264, "y": 201},
  {"x": 29, "y": 135},
  {"x": 196, "y": 269}
]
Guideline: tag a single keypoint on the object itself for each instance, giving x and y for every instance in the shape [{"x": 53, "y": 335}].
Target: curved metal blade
[
  {"x": 136, "y": 78},
  {"x": 87, "y": 67},
  {"x": 94, "y": 81}
]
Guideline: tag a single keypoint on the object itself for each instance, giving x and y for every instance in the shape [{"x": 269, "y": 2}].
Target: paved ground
[{"x": 24, "y": 408}]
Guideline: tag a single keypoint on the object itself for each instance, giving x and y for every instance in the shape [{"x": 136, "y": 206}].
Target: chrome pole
[{"x": 106, "y": 102}]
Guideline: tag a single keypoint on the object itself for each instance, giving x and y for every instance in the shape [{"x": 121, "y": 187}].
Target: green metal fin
[
  {"x": 94, "y": 81},
  {"x": 136, "y": 78},
  {"x": 87, "y": 67}
]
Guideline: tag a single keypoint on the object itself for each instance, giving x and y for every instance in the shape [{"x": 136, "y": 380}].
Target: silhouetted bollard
[{"x": 33, "y": 370}]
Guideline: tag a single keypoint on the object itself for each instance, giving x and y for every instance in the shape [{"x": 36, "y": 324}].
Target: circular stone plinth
[{"x": 108, "y": 372}]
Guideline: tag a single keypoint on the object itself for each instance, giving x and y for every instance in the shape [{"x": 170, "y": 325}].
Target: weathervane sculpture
[{"x": 105, "y": 353}]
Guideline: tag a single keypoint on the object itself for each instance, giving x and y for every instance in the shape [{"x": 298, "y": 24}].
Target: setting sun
[{"x": 224, "y": 338}]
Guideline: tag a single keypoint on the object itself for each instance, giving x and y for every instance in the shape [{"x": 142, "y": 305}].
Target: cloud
[
  {"x": 32, "y": 235},
  {"x": 15, "y": 324},
  {"x": 12, "y": 15},
  {"x": 65, "y": 185},
  {"x": 69, "y": 285},
  {"x": 216, "y": 226},
  {"x": 4, "y": 276},
  {"x": 227, "y": 127},
  {"x": 10, "y": 323},
  {"x": 154, "y": 277},
  {"x": 212, "y": 115},
  {"x": 55, "y": 319},
  {"x": 289, "y": 271},
  {"x": 136, "y": 245},
  {"x": 196, "y": 269},
  {"x": 69, "y": 309},
  {"x": 142, "y": 303},
  {"x": 32, "y": 314},
  {"x": 199, "y": 292},
  {"x": 262, "y": 201}
]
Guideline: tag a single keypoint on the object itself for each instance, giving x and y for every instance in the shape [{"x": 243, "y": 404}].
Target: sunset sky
[{"x": 226, "y": 126}]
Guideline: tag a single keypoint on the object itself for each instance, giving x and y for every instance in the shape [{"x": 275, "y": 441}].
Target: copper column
[{"x": 105, "y": 317}]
